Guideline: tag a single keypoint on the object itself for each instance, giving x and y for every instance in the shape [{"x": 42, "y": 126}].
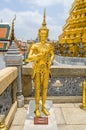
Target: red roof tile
[
  {"x": 3, "y": 32},
  {"x": 1, "y": 45}
]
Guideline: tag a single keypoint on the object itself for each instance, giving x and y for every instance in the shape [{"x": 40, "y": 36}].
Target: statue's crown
[{"x": 44, "y": 23}]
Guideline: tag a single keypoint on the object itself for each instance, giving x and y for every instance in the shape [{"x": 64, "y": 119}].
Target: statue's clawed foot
[
  {"x": 37, "y": 113},
  {"x": 45, "y": 111}
]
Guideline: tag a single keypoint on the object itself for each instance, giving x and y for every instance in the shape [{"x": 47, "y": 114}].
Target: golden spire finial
[
  {"x": 14, "y": 19},
  {"x": 12, "y": 32},
  {"x": 44, "y": 19},
  {"x": 44, "y": 24}
]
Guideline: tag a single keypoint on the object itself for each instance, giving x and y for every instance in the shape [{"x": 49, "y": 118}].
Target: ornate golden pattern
[{"x": 74, "y": 31}]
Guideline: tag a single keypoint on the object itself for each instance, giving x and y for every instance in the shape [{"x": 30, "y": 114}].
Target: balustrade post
[{"x": 14, "y": 58}]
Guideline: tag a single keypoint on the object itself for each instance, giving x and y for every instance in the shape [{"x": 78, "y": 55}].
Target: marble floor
[{"x": 69, "y": 116}]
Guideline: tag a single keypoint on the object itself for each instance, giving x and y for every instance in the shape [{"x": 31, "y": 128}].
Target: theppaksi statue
[{"x": 42, "y": 56}]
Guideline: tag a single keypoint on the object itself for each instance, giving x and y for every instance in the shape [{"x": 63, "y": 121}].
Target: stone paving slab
[
  {"x": 67, "y": 117},
  {"x": 14, "y": 127},
  {"x": 59, "y": 116},
  {"x": 71, "y": 127},
  {"x": 20, "y": 116},
  {"x": 77, "y": 105},
  {"x": 74, "y": 116},
  {"x": 64, "y": 105}
]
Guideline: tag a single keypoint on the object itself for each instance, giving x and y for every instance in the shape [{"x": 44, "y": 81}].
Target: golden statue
[{"x": 42, "y": 56}]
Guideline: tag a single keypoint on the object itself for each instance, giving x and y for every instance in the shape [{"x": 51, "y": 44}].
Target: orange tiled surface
[
  {"x": 3, "y": 32},
  {"x": 22, "y": 52},
  {"x": 1, "y": 45}
]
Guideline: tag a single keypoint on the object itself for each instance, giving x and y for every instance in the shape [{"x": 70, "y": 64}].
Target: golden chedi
[
  {"x": 42, "y": 56},
  {"x": 74, "y": 31}
]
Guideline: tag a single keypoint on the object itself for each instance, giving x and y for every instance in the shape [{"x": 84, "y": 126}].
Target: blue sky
[{"x": 29, "y": 15}]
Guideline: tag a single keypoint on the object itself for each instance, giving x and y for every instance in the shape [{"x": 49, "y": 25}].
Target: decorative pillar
[
  {"x": 14, "y": 58},
  {"x": 83, "y": 106}
]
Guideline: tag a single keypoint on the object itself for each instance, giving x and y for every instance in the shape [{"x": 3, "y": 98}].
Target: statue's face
[{"x": 43, "y": 36}]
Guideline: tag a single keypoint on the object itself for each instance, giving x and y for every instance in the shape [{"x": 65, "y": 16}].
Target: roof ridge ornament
[{"x": 12, "y": 30}]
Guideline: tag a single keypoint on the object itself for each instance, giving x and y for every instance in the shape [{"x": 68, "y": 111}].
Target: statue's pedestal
[{"x": 29, "y": 122}]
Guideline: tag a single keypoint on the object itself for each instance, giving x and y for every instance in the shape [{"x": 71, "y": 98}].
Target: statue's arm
[
  {"x": 52, "y": 55},
  {"x": 32, "y": 56}
]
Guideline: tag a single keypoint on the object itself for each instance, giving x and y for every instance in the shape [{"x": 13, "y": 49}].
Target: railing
[
  {"x": 8, "y": 86},
  {"x": 65, "y": 81},
  {"x": 78, "y": 61}
]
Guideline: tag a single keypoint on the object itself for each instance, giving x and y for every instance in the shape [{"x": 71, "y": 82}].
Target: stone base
[
  {"x": 29, "y": 122},
  {"x": 20, "y": 100}
]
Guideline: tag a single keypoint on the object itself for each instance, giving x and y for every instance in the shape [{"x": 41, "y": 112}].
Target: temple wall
[{"x": 70, "y": 78}]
